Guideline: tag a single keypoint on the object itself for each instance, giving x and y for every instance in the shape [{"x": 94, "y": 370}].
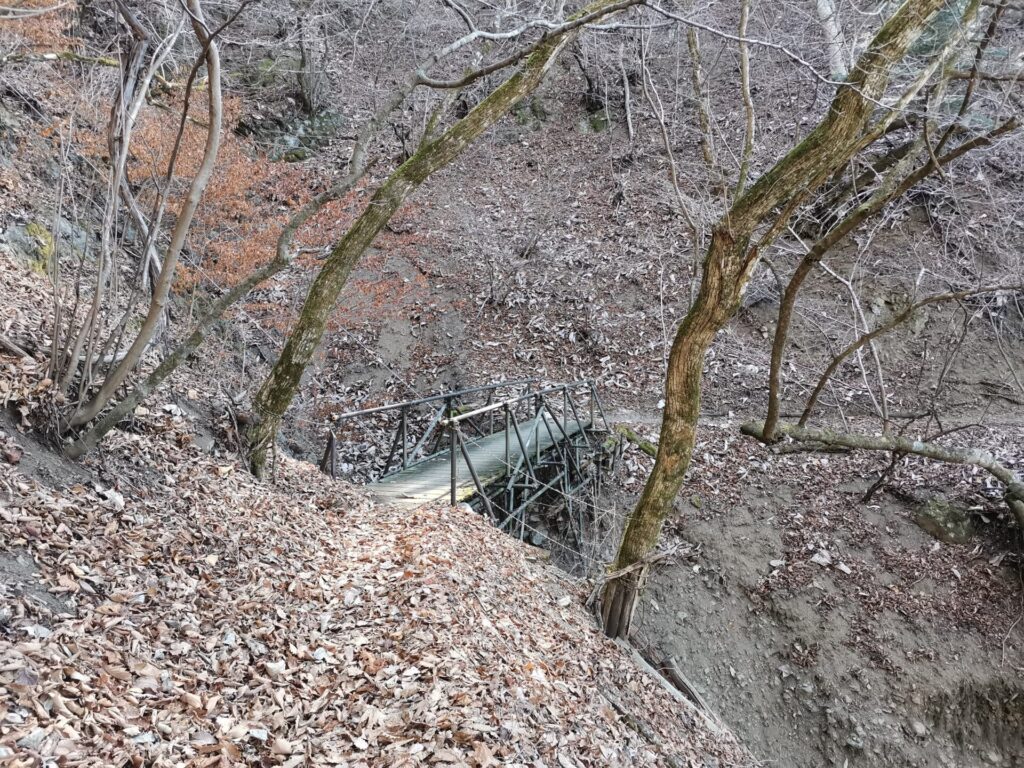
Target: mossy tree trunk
[
  {"x": 727, "y": 266},
  {"x": 276, "y": 393},
  {"x": 717, "y": 299}
]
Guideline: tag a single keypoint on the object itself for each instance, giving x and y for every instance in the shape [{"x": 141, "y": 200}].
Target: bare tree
[
  {"x": 434, "y": 152},
  {"x": 436, "y": 149},
  {"x": 93, "y": 355},
  {"x": 863, "y": 111},
  {"x": 311, "y": 79}
]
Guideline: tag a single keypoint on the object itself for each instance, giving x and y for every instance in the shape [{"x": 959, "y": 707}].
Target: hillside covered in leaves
[{"x": 163, "y": 608}]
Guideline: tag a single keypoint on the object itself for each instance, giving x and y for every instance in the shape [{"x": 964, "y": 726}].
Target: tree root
[{"x": 618, "y": 601}]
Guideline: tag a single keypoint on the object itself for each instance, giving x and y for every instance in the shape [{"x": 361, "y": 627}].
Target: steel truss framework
[{"x": 555, "y": 438}]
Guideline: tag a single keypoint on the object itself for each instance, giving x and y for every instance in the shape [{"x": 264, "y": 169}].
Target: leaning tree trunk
[
  {"x": 726, "y": 269},
  {"x": 716, "y": 302},
  {"x": 276, "y": 393}
]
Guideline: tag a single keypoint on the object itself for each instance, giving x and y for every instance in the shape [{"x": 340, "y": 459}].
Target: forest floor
[
  {"x": 824, "y": 630},
  {"x": 828, "y": 631},
  {"x": 160, "y": 606}
]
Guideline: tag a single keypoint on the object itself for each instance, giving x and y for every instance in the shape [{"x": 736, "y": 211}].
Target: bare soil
[{"x": 902, "y": 651}]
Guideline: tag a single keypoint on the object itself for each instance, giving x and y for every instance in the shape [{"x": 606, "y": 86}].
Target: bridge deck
[{"x": 431, "y": 480}]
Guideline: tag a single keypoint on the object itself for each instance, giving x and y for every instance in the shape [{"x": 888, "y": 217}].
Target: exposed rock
[{"x": 945, "y": 520}]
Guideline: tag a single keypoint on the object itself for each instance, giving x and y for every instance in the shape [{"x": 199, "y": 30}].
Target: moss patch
[
  {"x": 945, "y": 521},
  {"x": 44, "y": 240}
]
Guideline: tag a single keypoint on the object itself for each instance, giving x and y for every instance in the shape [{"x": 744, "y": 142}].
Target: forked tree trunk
[
  {"x": 726, "y": 269},
  {"x": 276, "y": 393},
  {"x": 154, "y": 317},
  {"x": 891, "y": 189}
]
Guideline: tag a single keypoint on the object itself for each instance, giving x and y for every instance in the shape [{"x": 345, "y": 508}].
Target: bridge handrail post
[
  {"x": 476, "y": 480},
  {"x": 576, "y": 415},
  {"x": 536, "y": 425},
  {"x": 508, "y": 427},
  {"x": 600, "y": 406},
  {"x": 565, "y": 439},
  {"x": 453, "y": 450},
  {"x": 405, "y": 438}
]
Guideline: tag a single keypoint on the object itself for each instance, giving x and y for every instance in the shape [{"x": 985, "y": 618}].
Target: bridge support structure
[{"x": 505, "y": 448}]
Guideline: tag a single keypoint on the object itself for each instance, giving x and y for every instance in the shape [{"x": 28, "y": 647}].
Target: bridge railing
[
  {"x": 415, "y": 425},
  {"x": 552, "y": 408},
  {"x": 426, "y": 428}
]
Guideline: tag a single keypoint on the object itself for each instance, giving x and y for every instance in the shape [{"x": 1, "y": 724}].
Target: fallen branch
[
  {"x": 996, "y": 77},
  {"x": 974, "y": 456},
  {"x": 802, "y": 448},
  {"x": 670, "y": 668},
  {"x": 7, "y": 13},
  {"x": 100, "y": 61},
  {"x": 630, "y": 436},
  {"x": 11, "y": 347},
  {"x": 707, "y": 716}
]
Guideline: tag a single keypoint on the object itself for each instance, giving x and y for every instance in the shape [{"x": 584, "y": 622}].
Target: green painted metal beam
[{"x": 430, "y": 481}]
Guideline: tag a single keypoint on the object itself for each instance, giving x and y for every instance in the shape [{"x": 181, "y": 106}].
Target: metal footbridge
[{"x": 503, "y": 448}]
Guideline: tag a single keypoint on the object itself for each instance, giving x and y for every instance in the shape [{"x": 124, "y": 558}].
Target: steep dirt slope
[
  {"x": 830, "y": 631},
  {"x": 166, "y": 609}
]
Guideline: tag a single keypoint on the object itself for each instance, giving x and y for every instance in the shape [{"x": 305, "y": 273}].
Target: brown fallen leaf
[{"x": 282, "y": 747}]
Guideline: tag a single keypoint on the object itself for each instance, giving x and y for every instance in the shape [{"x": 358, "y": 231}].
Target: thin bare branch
[
  {"x": 892, "y": 324},
  {"x": 748, "y": 102}
]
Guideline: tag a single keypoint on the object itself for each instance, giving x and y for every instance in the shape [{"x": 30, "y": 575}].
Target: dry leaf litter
[{"x": 180, "y": 613}]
